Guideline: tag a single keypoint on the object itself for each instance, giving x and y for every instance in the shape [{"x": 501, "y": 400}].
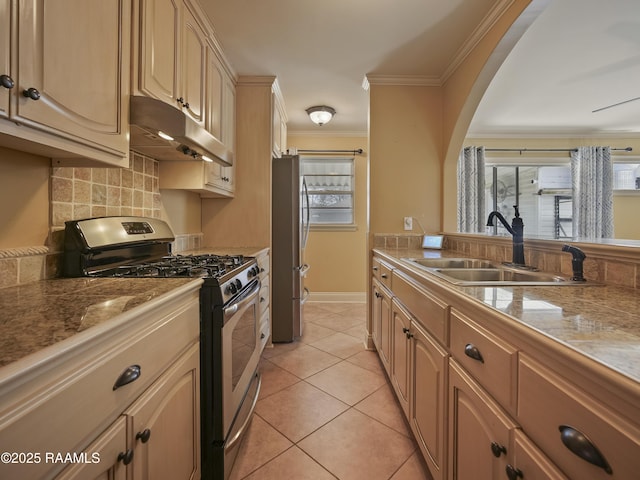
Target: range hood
[{"x": 163, "y": 132}]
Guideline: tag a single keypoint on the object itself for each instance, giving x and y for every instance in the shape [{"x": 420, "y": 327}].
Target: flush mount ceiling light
[{"x": 320, "y": 114}]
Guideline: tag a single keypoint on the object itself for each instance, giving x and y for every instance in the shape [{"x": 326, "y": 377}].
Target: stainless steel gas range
[{"x": 231, "y": 336}]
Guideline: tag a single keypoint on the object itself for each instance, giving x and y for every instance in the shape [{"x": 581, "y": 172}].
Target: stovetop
[{"x": 197, "y": 266}]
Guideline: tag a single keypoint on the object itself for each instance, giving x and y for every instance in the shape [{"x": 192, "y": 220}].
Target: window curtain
[
  {"x": 471, "y": 204},
  {"x": 592, "y": 177}
]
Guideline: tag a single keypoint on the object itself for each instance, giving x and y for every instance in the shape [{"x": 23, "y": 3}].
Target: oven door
[{"x": 241, "y": 348}]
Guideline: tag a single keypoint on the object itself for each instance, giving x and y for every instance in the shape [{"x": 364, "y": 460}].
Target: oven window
[{"x": 243, "y": 341}]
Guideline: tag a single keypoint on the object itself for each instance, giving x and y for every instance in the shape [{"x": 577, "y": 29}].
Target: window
[{"x": 330, "y": 182}]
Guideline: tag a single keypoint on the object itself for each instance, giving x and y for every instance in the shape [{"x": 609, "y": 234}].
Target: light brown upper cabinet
[
  {"x": 66, "y": 78},
  {"x": 172, "y": 56}
]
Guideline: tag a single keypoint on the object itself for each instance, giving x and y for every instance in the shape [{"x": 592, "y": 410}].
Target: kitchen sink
[
  {"x": 501, "y": 276},
  {"x": 479, "y": 272},
  {"x": 452, "y": 262}
]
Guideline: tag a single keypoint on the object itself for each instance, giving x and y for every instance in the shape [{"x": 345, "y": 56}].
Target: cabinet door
[
  {"x": 165, "y": 424},
  {"x": 74, "y": 59},
  {"x": 193, "y": 67},
  {"x": 428, "y": 398},
  {"x": 400, "y": 340},
  {"x": 214, "y": 95},
  {"x": 161, "y": 24},
  {"x": 382, "y": 316},
  {"x": 105, "y": 457},
  {"x": 228, "y": 114},
  {"x": 5, "y": 45},
  {"x": 479, "y": 432},
  {"x": 530, "y": 463}
]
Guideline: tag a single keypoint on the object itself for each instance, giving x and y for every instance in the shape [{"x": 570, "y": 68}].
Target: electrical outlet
[{"x": 408, "y": 223}]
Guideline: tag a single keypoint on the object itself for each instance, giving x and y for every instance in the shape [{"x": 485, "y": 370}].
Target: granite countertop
[
  {"x": 601, "y": 322},
  {"x": 41, "y": 314}
]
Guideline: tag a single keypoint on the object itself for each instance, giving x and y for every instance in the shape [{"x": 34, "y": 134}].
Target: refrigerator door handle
[
  {"x": 303, "y": 270},
  {"x": 305, "y": 297},
  {"x": 307, "y": 209}
]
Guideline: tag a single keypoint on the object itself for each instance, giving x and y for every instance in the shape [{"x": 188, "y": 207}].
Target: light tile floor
[{"x": 326, "y": 409}]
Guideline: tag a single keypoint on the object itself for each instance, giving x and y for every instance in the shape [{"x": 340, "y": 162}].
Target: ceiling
[{"x": 578, "y": 56}]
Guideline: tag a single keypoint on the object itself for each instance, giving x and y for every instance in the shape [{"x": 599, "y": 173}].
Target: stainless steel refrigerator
[{"x": 289, "y": 232}]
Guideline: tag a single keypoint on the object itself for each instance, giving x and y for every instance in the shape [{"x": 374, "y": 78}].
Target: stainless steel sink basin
[
  {"x": 500, "y": 276},
  {"x": 452, "y": 262},
  {"x": 479, "y": 272}
]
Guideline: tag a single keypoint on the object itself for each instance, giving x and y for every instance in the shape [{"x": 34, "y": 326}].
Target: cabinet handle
[
  {"x": 378, "y": 295},
  {"x": 375, "y": 269},
  {"x": 6, "y": 81},
  {"x": 405, "y": 330},
  {"x": 180, "y": 101},
  {"x": 384, "y": 275},
  {"x": 126, "y": 457},
  {"x": 31, "y": 93},
  {"x": 513, "y": 473},
  {"x": 131, "y": 374},
  {"x": 579, "y": 444},
  {"x": 471, "y": 351},
  {"x": 144, "y": 435},
  {"x": 497, "y": 449},
  {"x": 186, "y": 105}
]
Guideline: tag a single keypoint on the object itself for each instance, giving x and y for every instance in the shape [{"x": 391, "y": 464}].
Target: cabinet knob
[
  {"x": 375, "y": 269},
  {"x": 6, "y": 81},
  {"x": 513, "y": 473},
  {"x": 384, "y": 275},
  {"x": 180, "y": 101},
  {"x": 31, "y": 93},
  {"x": 126, "y": 457},
  {"x": 186, "y": 105},
  {"x": 131, "y": 374},
  {"x": 471, "y": 351},
  {"x": 497, "y": 449},
  {"x": 579, "y": 444},
  {"x": 144, "y": 435}
]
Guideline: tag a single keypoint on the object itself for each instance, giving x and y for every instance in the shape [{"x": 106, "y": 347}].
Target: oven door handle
[{"x": 248, "y": 297}]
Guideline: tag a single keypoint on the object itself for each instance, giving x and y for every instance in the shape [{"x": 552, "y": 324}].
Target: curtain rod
[
  {"x": 521, "y": 150},
  {"x": 353, "y": 152}
]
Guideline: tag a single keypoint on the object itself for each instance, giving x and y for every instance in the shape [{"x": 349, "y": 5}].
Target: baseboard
[{"x": 338, "y": 297}]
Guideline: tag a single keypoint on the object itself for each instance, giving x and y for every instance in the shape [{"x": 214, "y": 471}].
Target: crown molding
[{"x": 476, "y": 36}]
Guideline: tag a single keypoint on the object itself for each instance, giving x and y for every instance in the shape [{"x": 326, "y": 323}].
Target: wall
[
  {"x": 405, "y": 145},
  {"x": 338, "y": 259},
  {"x": 24, "y": 194}
]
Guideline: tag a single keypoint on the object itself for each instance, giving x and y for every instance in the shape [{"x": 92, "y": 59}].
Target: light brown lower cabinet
[
  {"x": 381, "y": 314},
  {"x": 104, "y": 456},
  {"x": 158, "y": 437},
  {"x": 165, "y": 424},
  {"x": 485, "y": 402},
  {"x": 428, "y": 398},
  {"x": 479, "y": 431},
  {"x": 400, "y": 353},
  {"x": 530, "y": 463}
]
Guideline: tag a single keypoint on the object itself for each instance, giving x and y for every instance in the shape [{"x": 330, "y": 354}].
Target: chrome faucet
[
  {"x": 516, "y": 229},
  {"x": 576, "y": 262}
]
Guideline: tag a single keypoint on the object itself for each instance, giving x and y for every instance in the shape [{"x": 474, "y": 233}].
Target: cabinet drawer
[
  {"x": 382, "y": 271},
  {"x": 67, "y": 412},
  {"x": 430, "y": 312},
  {"x": 490, "y": 359},
  {"x": 549, "y": 405}
]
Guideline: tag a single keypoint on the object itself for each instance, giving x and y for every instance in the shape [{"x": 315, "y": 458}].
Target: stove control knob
[
  {"x": 238, "y": 284},
  {"x": 231, "y": 288}
]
